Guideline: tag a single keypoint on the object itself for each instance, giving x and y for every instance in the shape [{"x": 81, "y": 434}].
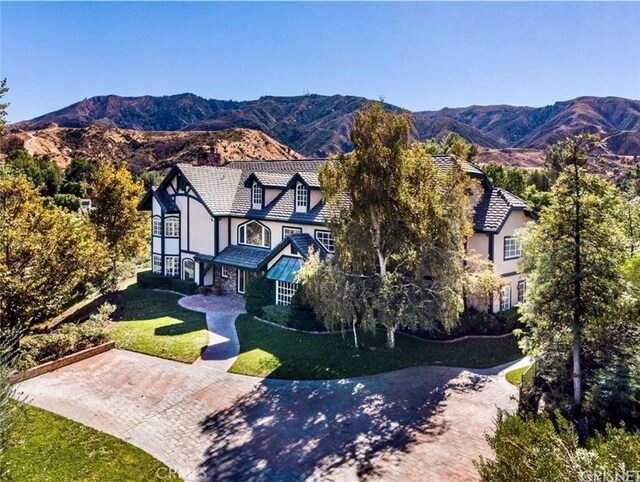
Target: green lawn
[
  {"x": 272, "y": 352},
  {"x": 515, "y": 376},
  {"x": 45, "y": 447},
  {"x": 155, "y": 324}
]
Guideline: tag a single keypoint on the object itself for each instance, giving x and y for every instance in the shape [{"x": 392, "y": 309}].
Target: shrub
[
  {"x": 67, "y": 201},
  {"x": 546, "y": 447},
  {"x": 302, "y": 315},
  {"x": 151, "y": 280},
  {"x": 66, "y": 339},
  {"x": 277, "y": 314},
  {"x": 508, "y": 320},
  {"x": 259, "y": 294}
]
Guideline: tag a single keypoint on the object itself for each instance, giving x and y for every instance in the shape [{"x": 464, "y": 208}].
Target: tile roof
[
  {"x": 246, "y": 257},
  {"x": 223, "y": 191},
  {"x": 302, "y": 242},
  {"x": 494, "y": 207},
  {"x": 214, "y": 185}
]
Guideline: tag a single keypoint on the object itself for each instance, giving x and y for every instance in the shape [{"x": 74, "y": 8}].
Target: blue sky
[{"x": 421, "y": 56}]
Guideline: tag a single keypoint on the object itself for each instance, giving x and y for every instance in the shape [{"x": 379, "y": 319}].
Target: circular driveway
[{"x": 422, "y": 424}]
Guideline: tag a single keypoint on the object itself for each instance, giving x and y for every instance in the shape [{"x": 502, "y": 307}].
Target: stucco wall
[
  {"x": 515, "y": 221},
  {"x": 202, "y": 235}
]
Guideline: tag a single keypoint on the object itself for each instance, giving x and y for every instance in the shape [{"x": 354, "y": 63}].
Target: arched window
[
  {"x": 189, "y": 270},
  {"x": 254, "y": 234},
  {"x": 301, "y": 197},
  {"x": 256, "y": 196}
]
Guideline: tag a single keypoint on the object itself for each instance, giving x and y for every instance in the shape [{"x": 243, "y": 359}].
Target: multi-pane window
[
  {"x": 157, "y": 226},
  {"x": 512, "y": 248},
  {"x": 224, "y": 272},
  {"x": 284, "y": 292},
  {"x": 505, "y": 298},
  {"x": 172, "y": 227},
  {"x": 301, "y": 197},
  {"x": 326, "y": 239},
  {"x": 256, "y": 196},
  {"x": 171, "y": 266},
  {"x": 522, "y": 291},
  {"x": 287, "y": 231},
  {"x": 254, "y": 234},
  {"x": 189, "y": 269},
  {"x": 157, "y": 264}
]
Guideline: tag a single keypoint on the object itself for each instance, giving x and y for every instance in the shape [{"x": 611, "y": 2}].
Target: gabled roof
[
  {"x": 301, "y": 244},
  {"x": 167, "y": 204},
  {"x": 311, "y": 179},
  {"x": 214, "y": 185},
  {"x": 494, "y": 208},
  {"x": 269, "y": 179}
]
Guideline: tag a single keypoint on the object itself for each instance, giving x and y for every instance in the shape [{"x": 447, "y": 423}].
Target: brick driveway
[{"x": 424, "y": 423}]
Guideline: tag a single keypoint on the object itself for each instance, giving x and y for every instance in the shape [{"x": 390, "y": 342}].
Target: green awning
[{"x": 285, "y": 269}]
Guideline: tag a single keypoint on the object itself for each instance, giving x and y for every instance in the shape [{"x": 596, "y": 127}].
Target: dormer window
[
  {"x": 256, "y": 196},
  {"x": 302, "y": 198}
]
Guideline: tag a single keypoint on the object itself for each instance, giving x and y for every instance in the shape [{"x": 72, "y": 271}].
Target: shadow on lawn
[{"x": 341, "y": 429}]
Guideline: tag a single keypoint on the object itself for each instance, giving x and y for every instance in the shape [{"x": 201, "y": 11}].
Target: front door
[{"x": 243, "y": 278}]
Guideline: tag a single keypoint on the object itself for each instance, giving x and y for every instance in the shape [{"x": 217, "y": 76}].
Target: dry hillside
[{"x": 147, "y": 149}]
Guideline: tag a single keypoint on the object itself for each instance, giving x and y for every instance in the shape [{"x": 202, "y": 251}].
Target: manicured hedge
[
  {"x": 260, "y": 293},
  {"x": 150, "y": 280}
]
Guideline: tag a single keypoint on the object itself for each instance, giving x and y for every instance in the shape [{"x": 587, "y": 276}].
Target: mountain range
[{"x": 318, "y": 126}]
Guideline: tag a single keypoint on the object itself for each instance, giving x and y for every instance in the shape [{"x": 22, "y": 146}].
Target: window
[
  {"x": 326, "y": 239},
  {"x": 189, "y": 270},
  {"x": 512, "y": 248},
  {"x": 242, "y": 280},
  {"x": 224, "y": 272},
  {"x": 256, "y": 196},
  {"x": 522, "y": 291},
  {"x": 157, "y": 226},
  {"x": 284, "y": 292},
  {"x": 505, "y": 298},
  {"x": 172, "y": 227},
  {"x": 288, "y": 231},
  {"x": 157, "y": 264},
  {"x": 254, "y": 234},
  {"x": 301, "y": 197},
  {"x": 171, "y": 266}
]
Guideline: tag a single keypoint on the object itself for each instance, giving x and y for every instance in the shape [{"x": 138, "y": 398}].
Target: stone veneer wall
[{"x": 228, "y": 285}]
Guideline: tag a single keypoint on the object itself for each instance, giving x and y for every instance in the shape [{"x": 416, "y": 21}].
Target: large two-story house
[{"x": 222, "y": 225}]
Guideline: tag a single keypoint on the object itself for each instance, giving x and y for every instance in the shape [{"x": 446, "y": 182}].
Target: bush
[
  {"x": 474, "y": 322},
  {"x": 150, "y": 280},
  {"x": 66, "y": 339},
  {"x": 277, "y": 314},
  {"x": 546, "y": 447},
  {"x": 259, "y": 294},
  {"x": 302, "y": 315},
  {"x": 67, "y": 201}
]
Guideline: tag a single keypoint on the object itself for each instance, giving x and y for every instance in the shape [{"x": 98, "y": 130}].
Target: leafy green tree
[
  {"x": 572, "y": 259},
  {"x": 535, "y": 198},
  {"x": 68, "y": 202},
  {"x": 453, "y": 144},
  {"x": 115, "y": 197},
  {"x": 403, "y": 232},
  {"x": 150, "y": 178},
  {"x": 47, "y": 256},
  {"x": 40, "y": 170},
  {"x": 80, "y": 169}
]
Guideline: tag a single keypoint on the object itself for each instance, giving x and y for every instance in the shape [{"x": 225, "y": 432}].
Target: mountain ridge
[{"x": 318, "y": 125}]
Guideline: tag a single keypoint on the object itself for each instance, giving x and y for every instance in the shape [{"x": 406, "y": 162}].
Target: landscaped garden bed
[
  {"x": 269, "y": 351},
  {"x": 154, "y": 323}
]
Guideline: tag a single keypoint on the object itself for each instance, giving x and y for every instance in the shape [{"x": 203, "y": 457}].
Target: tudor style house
[{"x": 222, "y": 225}]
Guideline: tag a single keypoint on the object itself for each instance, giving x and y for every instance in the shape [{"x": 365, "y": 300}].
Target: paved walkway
[
  {"x": 222, "y": 312},
  {"x": 418, "y": 424}
]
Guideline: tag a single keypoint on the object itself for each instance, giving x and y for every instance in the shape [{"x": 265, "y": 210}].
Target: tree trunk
[
  {"x": 391, "y": 337},
  {"x": 577, "y": 371},
  {"x": 355, "y": 334},
  {"x": 577, "y": 300}
]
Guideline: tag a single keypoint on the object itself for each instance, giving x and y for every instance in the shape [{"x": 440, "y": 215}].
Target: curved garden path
[
  {"x": 416, "y": 424},
  {"x": 221, "y": 312}
]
